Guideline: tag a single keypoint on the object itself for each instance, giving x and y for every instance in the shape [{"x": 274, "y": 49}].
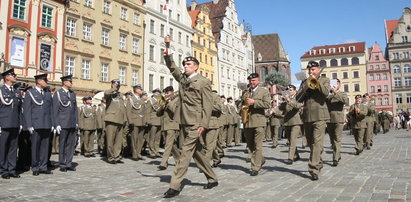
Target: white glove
[
  {"x": 52, "y": 128},
  {"x": 31, "y": 130},
  {"x": 58, "y": 129},
  {"x": 21, "y": 128},
  {"x": 0, "y": 129}
]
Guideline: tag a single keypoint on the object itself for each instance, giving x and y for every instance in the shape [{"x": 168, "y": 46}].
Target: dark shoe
[
  {"x": 120, "y": 161},
  {"x": 246, "y": 151},
  {"x": 210, "y": 185},
  {"x": 238, "y": 145},
  {"x": 112, "y": 162},
  {"x": 358, "y": 152},
  {"x": 335, "y": 163},
  {"x": 274, "y": 146},
  {"x": 297, "y": 158},
  {"x": 5, "y": 176},
  {"x": 161, "y": 167},
  {"x": 47, "y": 172},
  {"x": 314, "y": 177},
  {"x": 253, "y": 173},
  {"x": 368, "y": 147},
  {"x": 152, "y": 157},
  {"x": 371, "y": 144},
  {"x": 171, "y": 193},
  {"x": 216, "y": 163},
  {"x": 15, "y": 175},
  {"x": 71, "y": 169},
  {"x": 63, "y": 169},
  {"x": 35, "y": 173},
  {"x": 288, "y": 161}
]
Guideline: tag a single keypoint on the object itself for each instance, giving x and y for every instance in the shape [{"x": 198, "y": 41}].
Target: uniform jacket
[
  {"x": 216, "y": 112},
  {"x": 168, "y": 115},
  {"x": 232, "y": 114},
  {"x": 115, "y": 108},
  {"x": 195, "y": 96},
  {"x": 151, "y": 112},
  {"x": 65, "y": 109},
  {"x": 38, "y": 109},
  {"x": 371, "y": 111},
  {"x": 10, "y": 107},
  {"x": 335, "y": 104},
  {"x": 291, "y": 110},
  {"x": 275, "y": 116},
  {"x": 262, "y": 101},
  {"x": 100, "y": 111},
  {"x": 87, "y": 118},
  {"x": 315, "y": 107},
  {"x": 136, "y": 109},
  {"x": 358, "y": 120},
  {"x": 224, "y": 114}
]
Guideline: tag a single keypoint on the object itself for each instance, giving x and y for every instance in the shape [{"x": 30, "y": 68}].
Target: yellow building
[
  {"x": 204, "y": 45},
  {"x": 104, "y": 41},
  {"x": 347, "y": 62}
]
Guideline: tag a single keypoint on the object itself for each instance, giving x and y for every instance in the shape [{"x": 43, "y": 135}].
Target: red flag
[{"x": 165, "y": 7}]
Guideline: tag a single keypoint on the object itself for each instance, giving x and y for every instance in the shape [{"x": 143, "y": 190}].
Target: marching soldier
[
  {"x": 254, "y": 129},
  {"x": 136, "y": 118},
  {"x": 195, "y": 107},
  {"x": 232, "y": 112},
  {"x": 154, "y": 124},
  {"x": 275, "y": 116},
  {"x": 370, "y": 119},
  {"x": 292, "y": 123},
  {"x": 100, "y": 111},
  {"x": 37, "y": 107},
  {"x": 211, "y": 135},
  {"x": 315, "y": 116},
  {"x": 10, "y": 124},
  {"x": 335, "y": 102},
  {"x": 222, "y": 130},
  {"x": 65, "y": 122},
  {"x": 385, "y": 121},
  {"x": 87, "y": 125},
  {"x": 227, "y": 120},
  {"x": 357, "y": 114},
  {"x": 115, "y": 118},
  {"x": 171, "y": 127}
]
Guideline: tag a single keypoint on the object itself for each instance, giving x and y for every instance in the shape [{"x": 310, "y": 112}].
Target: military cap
[
  {"x": 190, "y": 58},
  {"x": 252, "y": 76},
  {"x": 365, "y": 95},
  {"x": 115, "y": 81},
  {"x": 214, "y": 91},
  {"x": 229, "y": 98},
  {"x": 128, "y": 93},
  {"x": 87, "y": 98},
  {"x": 8, "y": 72},
  {"x": 144, "y": 93},
  {"x": 138, "y": 86},
  {"x": 66, "y": 78},
  {"x": 168, "y": 88},
  {"x": 312, "y": 64},
  {"x": 41, "y": 77},
  {"x": 156, "y": 91},
  {"x": 358, "y": 96},
  {"x": 222, "y": 96}
]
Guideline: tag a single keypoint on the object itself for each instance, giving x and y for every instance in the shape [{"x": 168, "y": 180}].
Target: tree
[{"x": 277, "y": 78}]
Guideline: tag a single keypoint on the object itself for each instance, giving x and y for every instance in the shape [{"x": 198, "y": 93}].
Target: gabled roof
[
  {"x": 217, "y": 14},
  {"x": 358, "y": 48},
  {"x": 390, "y": 26},
  {"x": 269, "y": 47},
  {"x": 194, "y": 15}
]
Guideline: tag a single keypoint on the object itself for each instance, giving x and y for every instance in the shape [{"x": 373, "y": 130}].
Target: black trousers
[
  {"x": 24, "y": 152},
  {"x": 8, "y": 150},
  {"x": 67, "y": 144},
  {"x": 40, "y": 149}
]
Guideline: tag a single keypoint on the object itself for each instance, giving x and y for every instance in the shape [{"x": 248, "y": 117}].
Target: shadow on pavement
[{"x": 287, "y": 170}]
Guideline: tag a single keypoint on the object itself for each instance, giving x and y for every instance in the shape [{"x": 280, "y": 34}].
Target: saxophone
[{"x": 245, "y": 109}]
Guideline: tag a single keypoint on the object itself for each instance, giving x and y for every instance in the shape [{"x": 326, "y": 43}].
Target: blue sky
[{"x": 302, "y": 24}]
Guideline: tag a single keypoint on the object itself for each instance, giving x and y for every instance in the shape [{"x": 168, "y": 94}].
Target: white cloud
[{"x": 350, "y": 41}]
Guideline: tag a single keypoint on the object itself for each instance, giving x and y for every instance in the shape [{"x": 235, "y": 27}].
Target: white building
[{"x": 156, "y": 74}]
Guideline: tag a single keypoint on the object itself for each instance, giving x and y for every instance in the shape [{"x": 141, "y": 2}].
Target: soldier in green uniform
[
  {"x": 357, "y": 113},
  {"x": 335, "y": 102},
  {"x": 221, "y": 131},
  {"x": 212, "y": 130},
  {"x": 101, "y": 135},
  {"x": 232, "y": 112},
  {"x": 275, "y": 116},
  {"x": 87, "y": 125},
  {"x": 254, "y": 129},
  {"x": 154, "y": 123},
  {"x": 136, "y": 115},
  {"x": 315, "y": 116},
  {"x": 370, "y": 119},
  {"x": 195, "y": 112},
  {"x": 385, "y": 121}
]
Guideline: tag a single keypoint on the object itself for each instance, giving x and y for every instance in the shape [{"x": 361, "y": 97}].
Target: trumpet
[
  {"x": 310, "y": 83},
  {"x": 162, "y": 100}
]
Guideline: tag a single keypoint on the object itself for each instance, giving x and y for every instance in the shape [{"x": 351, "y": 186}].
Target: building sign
[
  {"x": 45, "y": 52},
  {"x": 17, "y": 52}
]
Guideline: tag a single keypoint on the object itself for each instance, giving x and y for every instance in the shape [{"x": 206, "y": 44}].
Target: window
[
  {"x": 379, "y": 102},
  {"x": 19, "y": 9},
  {"x": 312, "y": 52},
  {"x": 345, "y": 75},
  {"x": 161, "y": 56},
  {"x": 136, "y": 18},
  {"x": 397, "y": 69},
  {"x": 228, "y": 73},
  {"x": 135, "y": 45},
  {"x": 408, "y": 98},
  {"x": 180, "y": 58},
  {"x": 344, "y": 62},
  {"x": 398, "y": 98},
  {"x": 187, "y": 41},
  {"x": 170, "y": 13},
  {"x": 396, "y": 56},
  {"x": 161, "y": 9},
  {"x": 406, "y": 55},
  {"x": 71, "y": 27},
  {"x": 105, "y": 37},
  {"x": 322, "y": 51},
  {"x": 385, "y": 88},
  {"x": 85, "y": 70},
  {"x": 404, "y": 39},
  {"x": 171, "y": 82},
  {"x": 70, "y": 65},
  {"x": 18, "y": 51},
  {"x": 88, "y": 3},
  {"x": 123, "y": 42},
  {"x": 123, "y": 13},
  {"x": 331, "y": 50},
  {"x": 46, "y": 16},
  {"x": 87, "y": 31},
  {"x": 134, "y": 77},
  {"x": 152, "y": 26},
  {"x": 104, "y": 72},
  {"x": 122, "y": 75},
  {"x": 377, "y": 67},
  {"x": 171, "y": 34},
  {"x": 377, "y": 77},
  {"x": 386, "y": 101},
  {"x": 371, "y": 67},
  {"x": 355, "y": 73},
  {"x": 211, "y": 60},
  {"x": 178, "y": 17},
  {"x": 222, "y": 71},
  {"x": 206, "y": 59},
  {"x": 397, "y": 82},
  {"x": 407, "y": 81},
  {"x": 383, "y": 66},
  {"x": 323, "y": 63},
  {"x": 106, "y": 7},
  {"x": 372, "y": 89},
  {"x": 341, "y": 49},
  {"x": 351, "y": 48},
  {"x": 371, "y": 77},
  {"x": 150, "y": 82},
  {"x": 161, "y": 82},
  {"x": 379, "y": 89},
  {"x": 151, "y": 53},
  {"x": 356, "y": 87},
  {"x": 333, "y": 63},
  {"x": 377, "y": 58},
  {"x": 201, "y": 57},
  {"x": 162, "y": 27},
  {"x": 335, "y": 75},
  {"x": 179, "y": 37},
  {"x": 355, "y": 61},
  {"x": 407, "y": 68}
]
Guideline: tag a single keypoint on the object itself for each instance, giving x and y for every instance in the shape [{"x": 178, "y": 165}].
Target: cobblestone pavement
[{"x": 380, "y": 174}]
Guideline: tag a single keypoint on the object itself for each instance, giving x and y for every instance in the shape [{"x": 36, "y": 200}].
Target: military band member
[
  {"x": 254, "y": 129},
  {"x": 385, "y": 121},
  {"x": 211, "y": 135},
  {"x": 195, "y": 112},
  {"x": 370, "y": 119},
  {"x": 100, "y": 111},
  {"x": 87, "y": 125},
  {"x": 154, "y": 123},
  {"x": 315, "y": 116},
  {"x": 226, "y": 121},
  {"x": 336, "y": 101},
  {"x": 126, "y": 146},
  {"x": 292, "y": 122},
  {"x": 38, "y": 107},
  {"x": 115, "y": 118},
  {"x": 275, "y": 116},
  {"x": 170, "y": 126},
  {"x": 137, "y": 119},
  {"x": 357, "y": 114},
  {"x": 232, "y": 118},
  {"x": 10, "y": 123}
]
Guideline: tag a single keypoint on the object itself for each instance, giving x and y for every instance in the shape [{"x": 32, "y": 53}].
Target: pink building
[{"x": 379, "y": 79}]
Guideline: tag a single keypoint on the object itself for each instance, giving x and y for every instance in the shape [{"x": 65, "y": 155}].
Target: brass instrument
[
  {"x": 310, "y": 83},
  {"x": 357, "y": 110},
  {"x": 163, "y": 100},
  {"x": 245, "y": 108}
]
